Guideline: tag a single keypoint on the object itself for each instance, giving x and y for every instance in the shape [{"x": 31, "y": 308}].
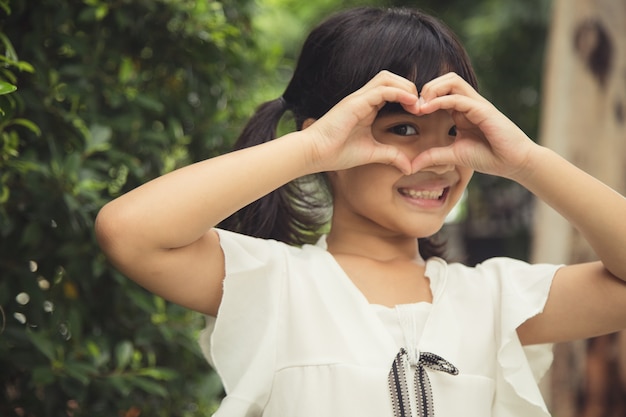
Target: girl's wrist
[
  {"x": 531, "y": 170},
  {"x": 303, "y": 152},
  {"x": 314, "y": 161}
]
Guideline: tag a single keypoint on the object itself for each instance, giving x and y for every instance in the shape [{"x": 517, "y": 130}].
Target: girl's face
[{"x": 378, "y": 198}]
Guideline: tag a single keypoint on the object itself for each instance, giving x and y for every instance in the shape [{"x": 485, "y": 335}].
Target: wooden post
[{"x": 584, "y": 119}]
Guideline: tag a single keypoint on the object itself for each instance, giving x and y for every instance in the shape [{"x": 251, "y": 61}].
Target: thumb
[{"x": 391, "y": 155}]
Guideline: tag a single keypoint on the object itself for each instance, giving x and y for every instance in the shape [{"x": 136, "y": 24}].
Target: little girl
[{"x": 368, "y": 319}]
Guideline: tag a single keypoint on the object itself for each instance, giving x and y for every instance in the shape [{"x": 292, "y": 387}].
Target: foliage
[{"x": 115, "y": 93}]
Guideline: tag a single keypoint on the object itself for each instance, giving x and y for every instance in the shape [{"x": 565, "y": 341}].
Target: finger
[
  {"x": 432, "y": 157},
  {"x": 390, "y": 79},
  {"x": 450, "y": 83},
  {"x": 397, "y": 95},
  {"x": 377, "y": 97},
  {"x": 447, "y": 84},
  {"x": 387, "y": 87},
  {"x": 390, "y": 155},
  {"x": 474, "y": 111}
]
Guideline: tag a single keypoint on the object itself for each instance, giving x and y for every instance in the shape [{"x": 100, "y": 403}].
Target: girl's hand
[
  {"x": 343, "y": 138},
  {"x": 486, "y": 140}
]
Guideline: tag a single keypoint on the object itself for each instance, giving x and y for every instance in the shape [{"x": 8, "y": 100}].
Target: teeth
[{"x": 423, "y": 194}]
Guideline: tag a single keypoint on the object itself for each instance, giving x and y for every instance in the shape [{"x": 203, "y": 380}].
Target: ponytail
[
  {"x": 294, "y": 213},
  {"x": 262, "y": 125}
]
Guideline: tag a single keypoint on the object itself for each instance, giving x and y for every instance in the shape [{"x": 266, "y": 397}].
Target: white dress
[{"x": 294, "y": 337}]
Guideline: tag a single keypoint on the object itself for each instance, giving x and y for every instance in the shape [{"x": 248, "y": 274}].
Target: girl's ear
[{"x": 308, "y": 122}]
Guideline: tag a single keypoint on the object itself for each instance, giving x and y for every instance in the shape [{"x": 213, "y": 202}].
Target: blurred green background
[{"x": 113, "y": 93}]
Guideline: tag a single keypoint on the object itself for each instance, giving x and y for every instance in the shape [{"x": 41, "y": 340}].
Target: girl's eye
[
  {"x": 404, "y": 130},
  {"x": 452, "y": 131}
]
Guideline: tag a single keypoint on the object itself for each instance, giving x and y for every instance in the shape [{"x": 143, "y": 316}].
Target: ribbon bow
[{"x": 398, "y": 387}]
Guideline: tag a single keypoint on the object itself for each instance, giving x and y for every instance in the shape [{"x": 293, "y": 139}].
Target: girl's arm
[
  {"x": 160, "y": 234},
  {"x": 585, "y": 300},
  {"x": 590, "y": 299}
]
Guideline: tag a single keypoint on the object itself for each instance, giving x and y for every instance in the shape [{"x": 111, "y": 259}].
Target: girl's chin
[{"x": 423, "y": 230}]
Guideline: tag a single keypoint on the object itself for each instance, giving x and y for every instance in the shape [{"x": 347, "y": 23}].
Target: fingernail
[{"x": 421, "y": 101}]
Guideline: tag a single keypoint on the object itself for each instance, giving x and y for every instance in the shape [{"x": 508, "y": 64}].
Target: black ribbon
[{"x": 398, "y": 386}]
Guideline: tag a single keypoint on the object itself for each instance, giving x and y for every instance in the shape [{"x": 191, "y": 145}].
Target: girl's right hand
[{"x": 342, "y": 138}]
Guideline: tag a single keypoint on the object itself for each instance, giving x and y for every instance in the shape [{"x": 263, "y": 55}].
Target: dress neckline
[{"x": 435, "y": 270}]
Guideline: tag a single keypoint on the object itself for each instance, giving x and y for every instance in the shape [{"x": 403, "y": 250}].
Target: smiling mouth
[{"x": 424, "y": 194}]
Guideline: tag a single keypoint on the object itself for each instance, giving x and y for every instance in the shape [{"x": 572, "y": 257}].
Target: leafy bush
[{"x": 110, "y": 94}]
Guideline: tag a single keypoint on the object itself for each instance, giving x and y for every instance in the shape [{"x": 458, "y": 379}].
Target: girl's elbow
[{"x": 110, "y": 229}]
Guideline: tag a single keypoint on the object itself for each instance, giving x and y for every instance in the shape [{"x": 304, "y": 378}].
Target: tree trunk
[{"x": 584, "y": 119}]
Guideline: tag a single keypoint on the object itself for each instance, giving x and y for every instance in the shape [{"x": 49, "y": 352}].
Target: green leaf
[
  {"x": 142, "y": 300},
  {"x": 149, "y": 386},
  {"x": 120, "y": 383},
  {"x": 43, "y": 375},
  {"x": 123, "y": 354},
  {"x": 161, "y": 374},
  {"x": 25, "y": 123},
  {"x": 25, "y": 66},
  {"x": 149, "y": 103},
  {"x": 9, "y": 51},
  {"x": 81, "y": 371},
  {"x": 6, "y": 88},
  {"x": 4, "y": 193},
  {"x": 99, "y": 139},
  {"x": 126, "y": 70},
  {"x": 102, "y": 11},
  {"x": 43, "y": 345},
  {"x": 4, "y": 5}
]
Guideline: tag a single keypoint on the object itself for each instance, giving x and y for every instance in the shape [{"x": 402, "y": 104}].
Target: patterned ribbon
[{"x": 398, "y": 386}]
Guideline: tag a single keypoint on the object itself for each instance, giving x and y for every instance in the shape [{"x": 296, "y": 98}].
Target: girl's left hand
[{"x": 486, "y": 140}]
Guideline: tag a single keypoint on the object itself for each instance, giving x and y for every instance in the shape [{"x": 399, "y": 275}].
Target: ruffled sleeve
[
  {"x": 240, "y": 343},
  {"x": 524, "y": 290}
]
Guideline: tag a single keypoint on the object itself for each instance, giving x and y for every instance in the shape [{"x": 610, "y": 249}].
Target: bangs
[
  {"x": 412, "y": 45},
  {"x": 347, "y": 50}
]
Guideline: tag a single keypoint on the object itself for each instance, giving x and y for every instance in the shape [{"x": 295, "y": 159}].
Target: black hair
[{"x": 338, "y": 57}]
